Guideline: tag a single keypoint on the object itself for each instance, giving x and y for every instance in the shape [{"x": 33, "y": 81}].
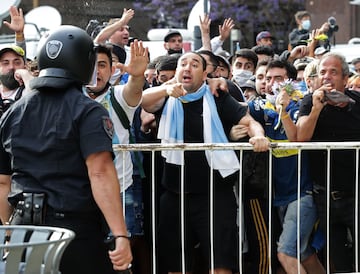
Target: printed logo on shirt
[
  {"x": 105, "y": 104},
  {"x": 280, "y": 153},
  {"x": 258, "y": 104},
  {"x": 108, "y": 126}
]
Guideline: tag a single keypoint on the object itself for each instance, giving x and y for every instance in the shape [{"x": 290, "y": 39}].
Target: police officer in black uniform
[{"x": 56, "y": 154}]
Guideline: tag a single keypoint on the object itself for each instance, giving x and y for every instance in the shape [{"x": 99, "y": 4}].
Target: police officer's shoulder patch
[{"x": 108, "y": 126}]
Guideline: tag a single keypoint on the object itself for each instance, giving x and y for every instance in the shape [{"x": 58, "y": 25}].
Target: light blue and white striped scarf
[{"x": 171, "y": 130}]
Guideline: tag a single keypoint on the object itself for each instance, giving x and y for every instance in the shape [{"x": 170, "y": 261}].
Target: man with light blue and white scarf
[{"x": 188, "y": 112}]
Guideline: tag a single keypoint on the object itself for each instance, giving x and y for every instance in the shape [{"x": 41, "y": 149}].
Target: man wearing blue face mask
[
  {"x": 300, "y": 35},
  {"x": 300, "y": 65}
]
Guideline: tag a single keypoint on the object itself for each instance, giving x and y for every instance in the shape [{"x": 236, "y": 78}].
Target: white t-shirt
[{"x": 123, "y": 162}]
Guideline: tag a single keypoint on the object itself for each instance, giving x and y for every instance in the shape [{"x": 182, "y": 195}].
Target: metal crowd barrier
[
  {"x": 29, "y": 249},
  {"x": 300, "y": 146}
]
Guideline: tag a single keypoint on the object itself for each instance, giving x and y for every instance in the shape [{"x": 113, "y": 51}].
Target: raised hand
[
  {"x": 139, "y": 58},
  {"x": 225, "y": 28},
  {"x": 205, "y": 24},
  {"x": 17, "y": 20},
  {"x": 127, "y": 15}
]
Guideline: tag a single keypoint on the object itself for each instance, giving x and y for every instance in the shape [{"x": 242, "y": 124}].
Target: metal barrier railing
[
  {"x": 32, "y": 249},
  {"x": 240, "y": 147}
]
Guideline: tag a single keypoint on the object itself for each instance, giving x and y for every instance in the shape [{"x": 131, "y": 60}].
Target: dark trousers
[
  {"x": 256, "y": 217},
  {"x": 197, "y": 234},
  {"x": 341, "y": 235},
  {"x": 87, "y": 253}
]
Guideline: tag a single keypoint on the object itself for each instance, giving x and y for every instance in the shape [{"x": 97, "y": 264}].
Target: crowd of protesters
[{"x": 207, "y": 95}]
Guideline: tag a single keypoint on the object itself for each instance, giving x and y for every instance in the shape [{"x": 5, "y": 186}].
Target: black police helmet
[{"x": 67, "y": 52}]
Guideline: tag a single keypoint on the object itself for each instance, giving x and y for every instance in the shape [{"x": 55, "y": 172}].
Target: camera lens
[{"x": 332, "y": 21}]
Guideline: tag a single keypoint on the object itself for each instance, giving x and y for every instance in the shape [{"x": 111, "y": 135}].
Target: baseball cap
[
  {"x": 170, "y": 34},
  {"x": 222, "y": 59},
  {"x": 320, "y": 51},
  {"x": 311, "y": 69},
  {"x": 249, "y": 83},
  {"x": 301, "y": 63},
  {"x": 14, "y": 48},
  {"x": 263, "y": 34}
]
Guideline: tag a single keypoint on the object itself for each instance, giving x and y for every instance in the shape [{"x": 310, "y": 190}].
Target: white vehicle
[
  {"x": 350, "y": 50},
  {"x": 156, "y": 36},
  {"x": 156, "y": 43}
]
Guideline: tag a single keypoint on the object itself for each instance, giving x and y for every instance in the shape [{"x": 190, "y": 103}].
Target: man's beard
[{"x": 8, "y": 80}]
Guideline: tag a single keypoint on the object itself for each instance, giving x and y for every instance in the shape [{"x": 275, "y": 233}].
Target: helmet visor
[{"x": 93, "y": 80}]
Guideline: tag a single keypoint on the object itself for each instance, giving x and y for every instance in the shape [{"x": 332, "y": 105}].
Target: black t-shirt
[
  {"x": 197, "y": 170},
  {"x": 335, "y": 124},
  {"x": 45, "y": 139},
  {"x": 6, "y": 103},
  {"x": 235, "y": 91},
  {"x": 298, "y": 37}
]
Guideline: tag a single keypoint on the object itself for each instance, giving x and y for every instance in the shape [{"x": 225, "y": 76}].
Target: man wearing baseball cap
[
  {"x": 12, "y": 58},
  {"x": 13, "y": 48},
  {"x": 249, "y": 89},
  {"x": 264, "y": 38},
  {"x": 173, "y": 42}
]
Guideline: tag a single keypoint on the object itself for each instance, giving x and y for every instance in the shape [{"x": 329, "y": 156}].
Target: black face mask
[
  {"x": 8, "y": 80},
  {"x": 172, "y": 51},
  {"x": 98, "y": 93}
]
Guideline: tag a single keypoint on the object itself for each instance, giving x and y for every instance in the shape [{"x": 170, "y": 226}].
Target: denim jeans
[{"x": 287, "y": 243}]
